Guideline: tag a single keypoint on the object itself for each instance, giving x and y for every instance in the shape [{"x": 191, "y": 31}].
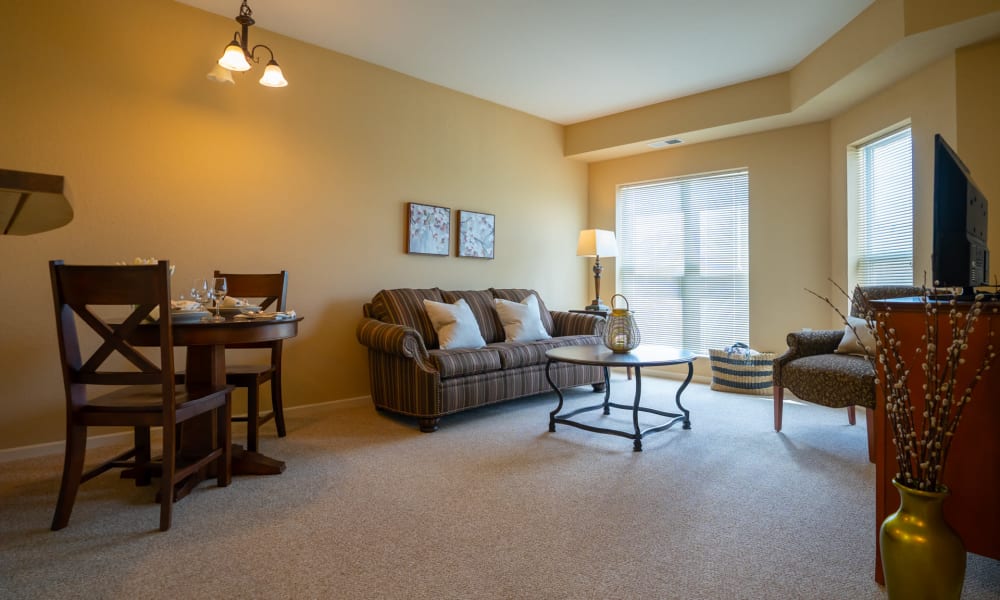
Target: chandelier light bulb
[
  {"x": 273, "y": 77},
  {"x": 234, "y": 58}
]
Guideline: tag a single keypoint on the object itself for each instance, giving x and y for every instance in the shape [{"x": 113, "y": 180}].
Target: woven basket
[{"x": 742, "y": 373}]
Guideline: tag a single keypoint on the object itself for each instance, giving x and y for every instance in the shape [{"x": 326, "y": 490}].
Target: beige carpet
[{"x": 490, "y": 506}]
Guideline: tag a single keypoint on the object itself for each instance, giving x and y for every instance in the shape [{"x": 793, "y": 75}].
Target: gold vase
[{"x": 922, "y": 557}]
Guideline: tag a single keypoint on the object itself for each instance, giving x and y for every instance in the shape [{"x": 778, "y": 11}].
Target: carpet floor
[{"x": 492, "y": 505}]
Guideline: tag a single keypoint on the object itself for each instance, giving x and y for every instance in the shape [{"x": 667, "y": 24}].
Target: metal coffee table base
[{"x": 638, "y": 433}]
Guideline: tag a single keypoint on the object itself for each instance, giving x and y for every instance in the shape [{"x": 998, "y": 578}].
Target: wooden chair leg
[
  {"x": 224, "y": 433},
  {"x": 169, "y": 462},
  {"x": 143, "y": 457},
  {"x": 779, "y": 401},
  {"x": 253, "y": 416},
  {"x": 851, "y": 416},
  {"x": 870, "y": 425},
  {"x": 76, "y": 446},
  {"x": 277, "y": 404}
]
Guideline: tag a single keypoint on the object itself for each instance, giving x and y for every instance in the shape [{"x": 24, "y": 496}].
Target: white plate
[{"x": 188, "y": 316}]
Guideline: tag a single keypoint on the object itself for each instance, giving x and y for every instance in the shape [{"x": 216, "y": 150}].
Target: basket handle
[{"x": 619, "y": 296}]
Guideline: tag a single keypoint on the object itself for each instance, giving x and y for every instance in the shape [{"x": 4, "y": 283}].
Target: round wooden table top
[
  {"x": 230, "y": 331},
  {"x": 642, "y": 356}
]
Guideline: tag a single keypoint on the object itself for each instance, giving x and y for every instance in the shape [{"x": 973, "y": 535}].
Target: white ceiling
[{"x": 562, "y": 60}]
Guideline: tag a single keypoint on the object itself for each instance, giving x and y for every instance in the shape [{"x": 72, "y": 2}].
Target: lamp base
[{"x": 598, "y": 306}]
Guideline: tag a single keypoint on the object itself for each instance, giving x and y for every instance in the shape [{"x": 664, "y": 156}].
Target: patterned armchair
[{"x": 815, "y": 373}]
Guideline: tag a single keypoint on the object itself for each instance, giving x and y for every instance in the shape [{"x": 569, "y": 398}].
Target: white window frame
[{"x": 882, "y": 180}]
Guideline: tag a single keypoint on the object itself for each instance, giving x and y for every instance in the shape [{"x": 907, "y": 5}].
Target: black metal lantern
[{"x": 621, "y": 334}]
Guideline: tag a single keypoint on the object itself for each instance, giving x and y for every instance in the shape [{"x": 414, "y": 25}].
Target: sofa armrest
[
  {"x": 567, "y": 323},
  {"x": 394, "y": 339},
  {"x": 807, "y": 343}
]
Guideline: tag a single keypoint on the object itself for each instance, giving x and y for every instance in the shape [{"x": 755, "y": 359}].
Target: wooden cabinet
[{"x": 972, "y": 471}]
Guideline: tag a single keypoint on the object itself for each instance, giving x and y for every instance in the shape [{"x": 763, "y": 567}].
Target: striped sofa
[{"x": 411, "y": 375}]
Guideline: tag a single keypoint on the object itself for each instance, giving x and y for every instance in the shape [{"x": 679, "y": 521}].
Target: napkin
[
  {"x": 277, "y": 316},
  {"x": 182, "y": 305},
  {"x": 230, "y": 302}
]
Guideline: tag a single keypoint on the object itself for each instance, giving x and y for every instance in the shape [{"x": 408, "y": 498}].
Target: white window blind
[
  {"x": 683, "y": 261},
  {"x": 885, "y": 211}
]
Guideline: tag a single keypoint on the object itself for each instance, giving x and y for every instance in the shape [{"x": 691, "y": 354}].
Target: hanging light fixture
[{"x": 238, "y": 54}]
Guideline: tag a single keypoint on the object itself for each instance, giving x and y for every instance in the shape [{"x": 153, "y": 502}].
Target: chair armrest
[
  {"x": 810, "y": 343},
  {"x": 394, "y": 339},
  {"x": 807, "y": 343},
  {"x": 567, "y": 323}
]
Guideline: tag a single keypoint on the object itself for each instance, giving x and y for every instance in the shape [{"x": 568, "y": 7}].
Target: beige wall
[
  {"x": 978, "y": 85},
  {"x": 312, "y": 178},
  {"x": 927, "y": 101},
  {"x": 789, "y": 200},
  {"x": 798, "y": 185}
]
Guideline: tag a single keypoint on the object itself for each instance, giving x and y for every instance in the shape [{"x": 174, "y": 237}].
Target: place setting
[{"x": 211, "y": 303}]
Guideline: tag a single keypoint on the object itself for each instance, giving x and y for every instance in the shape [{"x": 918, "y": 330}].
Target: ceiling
[{"x": 562, "y": 60}]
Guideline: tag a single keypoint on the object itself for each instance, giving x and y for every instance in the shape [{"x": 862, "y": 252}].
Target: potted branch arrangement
[{"x": 922, "y": 557}]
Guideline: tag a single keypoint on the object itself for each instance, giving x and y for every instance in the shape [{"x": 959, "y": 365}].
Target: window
[
  {"x": 683, "y": 259},
  {"x": 884, "y": 245}
]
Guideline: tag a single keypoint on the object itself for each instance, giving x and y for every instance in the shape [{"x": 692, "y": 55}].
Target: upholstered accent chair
[{"x": 815, "y": 372}]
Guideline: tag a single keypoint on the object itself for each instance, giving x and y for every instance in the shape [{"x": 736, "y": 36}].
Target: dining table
[{"x": 206, "y": 364}]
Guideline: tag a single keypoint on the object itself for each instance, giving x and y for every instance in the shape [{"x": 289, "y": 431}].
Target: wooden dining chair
[
  {"x": 270, "y": 289},
  {"x": 143, "y": 394}
]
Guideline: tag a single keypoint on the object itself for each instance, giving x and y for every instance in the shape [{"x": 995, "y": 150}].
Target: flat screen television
[{"x": 960, "y": 256}]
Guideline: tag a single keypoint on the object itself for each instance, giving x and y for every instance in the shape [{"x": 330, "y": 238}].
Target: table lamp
[{"x": 597, "y": 243}]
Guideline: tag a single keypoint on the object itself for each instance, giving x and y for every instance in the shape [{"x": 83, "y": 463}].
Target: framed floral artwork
[
  {"x": 476, "y": 234},
  {"x": 428, "y": 229}
]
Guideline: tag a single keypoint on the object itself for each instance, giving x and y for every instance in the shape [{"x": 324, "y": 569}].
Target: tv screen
[{"x": 960, "y": 256}]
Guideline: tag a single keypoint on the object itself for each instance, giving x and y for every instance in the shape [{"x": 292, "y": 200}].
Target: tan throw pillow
[
  {"x": 521, "y": 320},
  {"x": 851, "y": 344},
  {"x": 455, "y": 325}
]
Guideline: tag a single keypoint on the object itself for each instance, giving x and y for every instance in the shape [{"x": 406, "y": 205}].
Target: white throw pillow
[
  {"x": 850, "y": 344},
  {"x": 521, "y": 320},
  {"x": 455, "y": 324}
]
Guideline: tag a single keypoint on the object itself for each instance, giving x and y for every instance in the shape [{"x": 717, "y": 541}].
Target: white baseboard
[{"x": 125, "y": 437}]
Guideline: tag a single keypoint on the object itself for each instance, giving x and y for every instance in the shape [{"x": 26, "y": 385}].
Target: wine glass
[
  {"x": 218, "y": 292},
  {"x": 199, "y": 291}
]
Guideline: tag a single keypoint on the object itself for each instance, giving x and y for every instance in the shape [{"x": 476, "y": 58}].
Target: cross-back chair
[
  {"x": 143, "y": 393},
  {"x": 271, "y": 289}
]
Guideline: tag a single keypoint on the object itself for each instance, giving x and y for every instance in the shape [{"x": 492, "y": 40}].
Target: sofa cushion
[
  {"x": 525, "y": 354},
  {"x": 454, "y": 324},
  {"x": 521, "y": 320},
  {"x": 406, "y": 307},
  {"x": 465, "y": 361},
  {"x": 481, "y": 303},
  {"x": 856, "y": 344},
  {"x": 518, "y": 295}
]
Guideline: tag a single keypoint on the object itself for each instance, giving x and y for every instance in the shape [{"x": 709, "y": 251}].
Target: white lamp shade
[
  {"x": 221, "y": 75},
  {"x": 597, "y": 242},
  {"x": 273, "y": 77},
  {"x": 234, "y": 58}
]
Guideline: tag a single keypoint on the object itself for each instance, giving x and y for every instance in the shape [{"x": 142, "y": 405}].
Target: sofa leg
[
  {"x": 428, "y": 425},
  {"x": 870, "y": 425},
  {"x": 851, "y": 416},
  {"x": 779, "y": 398},
  {"x": 598, "y": 387}
]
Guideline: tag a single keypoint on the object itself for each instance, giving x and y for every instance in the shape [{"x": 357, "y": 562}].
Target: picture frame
[
  {"x": 476, "y": 234},
  {"x": 428, "y": 229}
]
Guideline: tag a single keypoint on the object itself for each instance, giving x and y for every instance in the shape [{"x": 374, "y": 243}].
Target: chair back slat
[
  {"x": 78, "y": 288},
  {"x": 271, "y": 288}
]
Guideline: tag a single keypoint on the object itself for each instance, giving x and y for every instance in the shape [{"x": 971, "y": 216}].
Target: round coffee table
[{"x": 643, "y": 356}]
